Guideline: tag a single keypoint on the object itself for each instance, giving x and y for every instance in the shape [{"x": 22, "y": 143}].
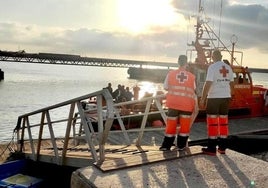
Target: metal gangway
[{"x": 72, "y": 118}]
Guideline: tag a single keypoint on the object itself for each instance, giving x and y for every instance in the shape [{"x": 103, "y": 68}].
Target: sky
[{"x": 150, "y": 30}]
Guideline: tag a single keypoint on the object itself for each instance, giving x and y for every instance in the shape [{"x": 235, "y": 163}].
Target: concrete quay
[{"x": 230, "y": 170}]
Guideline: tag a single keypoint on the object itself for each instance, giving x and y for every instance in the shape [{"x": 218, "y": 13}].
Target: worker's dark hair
[{"x": 182, "y": 60}]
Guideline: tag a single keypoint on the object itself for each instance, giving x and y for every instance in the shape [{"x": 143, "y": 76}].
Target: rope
[{"x": 8, "y": 145}]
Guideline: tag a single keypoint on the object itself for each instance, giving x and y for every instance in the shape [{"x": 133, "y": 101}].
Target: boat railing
[{"x": 57, "y": 125}]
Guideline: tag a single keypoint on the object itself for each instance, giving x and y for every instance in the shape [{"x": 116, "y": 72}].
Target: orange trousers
[
  {"x": 185, "y": 125},
  {"x": 217, "y": 126}
]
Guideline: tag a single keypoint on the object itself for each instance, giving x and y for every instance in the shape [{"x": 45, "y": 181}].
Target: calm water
[{"x": 28, "y": 87}]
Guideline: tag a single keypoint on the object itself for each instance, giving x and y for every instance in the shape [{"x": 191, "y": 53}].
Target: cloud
[
  {"x": 93, "y": 42},
  {"x": 96, "y": 42},
  {"x": 248, "y": 22}
]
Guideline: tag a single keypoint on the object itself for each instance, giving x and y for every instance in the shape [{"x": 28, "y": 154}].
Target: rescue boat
[{"x": 248, "y": 100}]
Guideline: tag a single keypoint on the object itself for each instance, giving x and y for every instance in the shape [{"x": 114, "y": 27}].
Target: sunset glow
[{"x": 139, "y": 16}]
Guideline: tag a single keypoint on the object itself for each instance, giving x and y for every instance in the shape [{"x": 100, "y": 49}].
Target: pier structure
[
  {"x": 87, "y": 132},
  {"x": 106, "y": 158},
  {"x": 91, "y": 131}
]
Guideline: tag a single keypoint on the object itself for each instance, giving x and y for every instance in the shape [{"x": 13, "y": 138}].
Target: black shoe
[
  {"x": 208, "y": 151},
  {"x": 167, "y": 143},
  {"x": 181, "y": 142},
  {"x": 182, "y": 148},
  {"x": 223, "y": 144},
  {"x": 164, "y": 148},
  {"x": 221, "y": 151}
]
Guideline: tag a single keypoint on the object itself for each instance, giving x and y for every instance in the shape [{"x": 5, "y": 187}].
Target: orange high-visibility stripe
[
  {"x": 223, "y": 126},
  {"x": 185, "y": 122},
  {"x": 171, "y": 126},
  {"x": 212, "y": 126}
]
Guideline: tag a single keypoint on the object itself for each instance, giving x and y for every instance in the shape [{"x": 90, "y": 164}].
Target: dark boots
[
  {"x": 223, "y": 144},
  {"x": 181, "y": 142},
  {"x": 211, "y": 147},
  {"x": 167, "y": 143}
]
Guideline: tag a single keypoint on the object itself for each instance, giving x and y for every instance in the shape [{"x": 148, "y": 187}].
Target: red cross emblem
[
  {"x": 224, "y": 71},
  {"x": 182, "y": 77}
]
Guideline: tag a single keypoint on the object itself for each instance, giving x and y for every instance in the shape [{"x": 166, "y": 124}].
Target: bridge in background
[{"x": 68, "y": 59}]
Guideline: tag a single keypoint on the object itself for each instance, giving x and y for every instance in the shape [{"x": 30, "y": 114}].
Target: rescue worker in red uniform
[
  {"x": 180, "y": 100},
  {"x": 216, "y": 95}
]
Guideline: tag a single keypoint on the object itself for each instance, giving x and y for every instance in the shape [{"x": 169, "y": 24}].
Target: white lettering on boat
[{"x": 242, "y": 86}]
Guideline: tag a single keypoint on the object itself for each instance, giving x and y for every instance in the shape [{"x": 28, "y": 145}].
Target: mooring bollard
[{"x": 1, "y": 75}]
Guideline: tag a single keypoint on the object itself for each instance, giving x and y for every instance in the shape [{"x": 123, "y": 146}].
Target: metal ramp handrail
[
  {"x": 50, "y": 119},
  {"x": 148, "y": 102}
]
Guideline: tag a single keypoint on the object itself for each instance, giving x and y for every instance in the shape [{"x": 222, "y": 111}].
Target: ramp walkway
[{"x": 87, "y": 130}]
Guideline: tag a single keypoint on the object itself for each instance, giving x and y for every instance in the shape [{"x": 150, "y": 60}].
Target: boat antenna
[
  {"x": 233, "y": 41},
  {"x": 220, "y": 24}
]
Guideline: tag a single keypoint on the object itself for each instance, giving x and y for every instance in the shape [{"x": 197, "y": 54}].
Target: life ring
[{"x": 157, "y": 123}]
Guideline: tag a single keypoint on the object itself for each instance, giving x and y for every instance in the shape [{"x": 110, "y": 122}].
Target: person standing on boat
[
  {"x": 129, "y": 95},
  {"x": 216, "y": 96},
  {"x": 109, "y": 87},
  {"x": 117, "y": 93},
  {"x": 180, "y": 100},
  {"x": 136, "y": 90}
]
